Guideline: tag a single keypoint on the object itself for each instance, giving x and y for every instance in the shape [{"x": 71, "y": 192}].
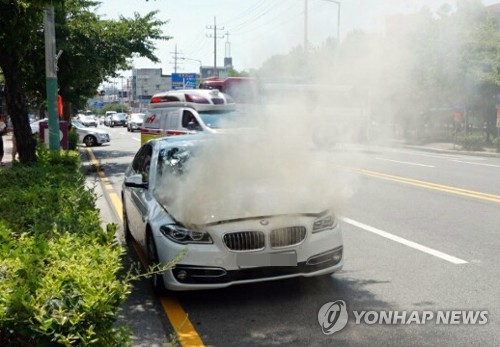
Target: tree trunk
[{"x": 17, "y": 109}]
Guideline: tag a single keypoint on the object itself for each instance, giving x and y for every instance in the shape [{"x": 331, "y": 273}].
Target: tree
[
  {"x": 19, "y": 23},
  {"x": 93, "y": 50}
]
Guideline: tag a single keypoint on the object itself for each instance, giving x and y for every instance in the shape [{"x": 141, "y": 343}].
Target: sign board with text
[{"x": 184, "y": 81}]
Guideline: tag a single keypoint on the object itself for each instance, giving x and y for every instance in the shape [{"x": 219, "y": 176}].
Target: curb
[{"x": 451, "y": 151}]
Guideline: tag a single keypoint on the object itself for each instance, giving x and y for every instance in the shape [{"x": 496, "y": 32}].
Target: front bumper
[
  {"x": 212, "y": 266},
  {"x": 104, "y": 138}
]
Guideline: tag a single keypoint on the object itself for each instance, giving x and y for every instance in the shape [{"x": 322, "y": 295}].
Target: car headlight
[
  {"x": 184, "y": 236},
  {"x": 324, "y": 222}
]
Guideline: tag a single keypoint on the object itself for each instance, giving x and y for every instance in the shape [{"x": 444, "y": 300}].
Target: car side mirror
[{"x": 135, "y": 181}]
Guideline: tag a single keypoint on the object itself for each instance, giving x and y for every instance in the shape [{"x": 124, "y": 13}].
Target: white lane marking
[
  {"x": 468, "y": 162},
  {"x": 123, "y": 133},
  {"x": 405, "y": 242},
  {"x": 405, "y": 162},
  {"x": 440, "y": 156},
  {"x": 136, "y": 139}
]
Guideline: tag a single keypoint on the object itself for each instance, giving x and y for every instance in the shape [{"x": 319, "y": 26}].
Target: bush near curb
[
  {"x": 472, "y": 142},
  {"x": 61, "y": 278}
]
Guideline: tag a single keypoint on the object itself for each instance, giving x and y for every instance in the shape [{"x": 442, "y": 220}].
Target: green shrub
[
  {"x": 472, "y": 142},
  {"x": 60, "y": 282},
  {"x": 73, "y": 139}
]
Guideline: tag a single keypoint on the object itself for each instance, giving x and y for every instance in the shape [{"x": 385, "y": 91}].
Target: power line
[{"x": 246, "y": 12}]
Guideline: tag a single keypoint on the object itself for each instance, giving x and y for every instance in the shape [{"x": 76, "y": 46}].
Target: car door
[{"x": 140, "y": 198}]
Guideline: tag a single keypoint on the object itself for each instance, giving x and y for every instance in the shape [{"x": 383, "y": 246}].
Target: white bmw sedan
[{"x": 167, "y": 208}]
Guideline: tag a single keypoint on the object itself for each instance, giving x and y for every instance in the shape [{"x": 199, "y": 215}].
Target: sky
[{"x": 258, "y": 29}]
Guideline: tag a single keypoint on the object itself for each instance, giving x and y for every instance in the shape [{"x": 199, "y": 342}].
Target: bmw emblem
[{"x": 264, "y": 222}]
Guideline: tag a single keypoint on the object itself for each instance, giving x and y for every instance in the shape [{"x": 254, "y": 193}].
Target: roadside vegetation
[{"x": 62, "y": 282}]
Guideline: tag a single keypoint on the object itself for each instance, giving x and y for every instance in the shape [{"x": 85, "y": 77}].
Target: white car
[
  {"x": 90, "y": 136},
  {"x": 223, "y": 249},
  {"x": 88, "y": 120},
  {"x": 135, "y": 121}
]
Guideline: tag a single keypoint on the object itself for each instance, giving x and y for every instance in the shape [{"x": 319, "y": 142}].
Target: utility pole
[
  {"x": 176, "y": 57},
  {"x": 215, "y": 37},
  {"x": 228, "y": 45},
  {"x": 51, "y": 78},
  {"x": 305, "y": 26}
]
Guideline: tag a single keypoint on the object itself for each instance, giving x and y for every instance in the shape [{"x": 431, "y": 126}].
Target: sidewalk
[{"x": 450, "y": 148}]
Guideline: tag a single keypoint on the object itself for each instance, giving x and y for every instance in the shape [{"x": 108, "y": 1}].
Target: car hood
[
  {"x": 245, "y": 204},
  {"x": 93, "y": 130}
]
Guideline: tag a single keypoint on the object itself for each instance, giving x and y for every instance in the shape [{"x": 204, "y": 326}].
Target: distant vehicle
[
  {"x": 118, "y": 119},
  {"x": 35, "y": 126},
  {"x": 225, "y": 245},
  {"x": 241, "y": 89},
  {"x": 181, "y": 112},
  {"x": 135, "y": 121},
  {"x": 88, "y": 120},
  {"x": 90, "y": 137}
]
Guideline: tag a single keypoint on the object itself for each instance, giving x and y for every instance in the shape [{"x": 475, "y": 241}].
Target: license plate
[{"x": 266, "y": 259}]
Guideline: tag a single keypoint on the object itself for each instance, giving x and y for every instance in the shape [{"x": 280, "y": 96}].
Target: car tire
[
  {"x": 90, "y": 140},
  {"x": 152, "y": 254},
  {"x": 126, "y": 229},
  {"x": 112, "y": 124}
]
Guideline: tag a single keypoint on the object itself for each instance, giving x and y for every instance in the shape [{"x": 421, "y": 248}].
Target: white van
[{"x": 181, "y": 112}]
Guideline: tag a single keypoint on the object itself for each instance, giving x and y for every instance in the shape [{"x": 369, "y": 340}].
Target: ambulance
[{"x": 182, "y": 112}]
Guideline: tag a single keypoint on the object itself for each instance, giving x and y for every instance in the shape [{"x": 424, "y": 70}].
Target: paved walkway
[{"x": 447, "y": 147}]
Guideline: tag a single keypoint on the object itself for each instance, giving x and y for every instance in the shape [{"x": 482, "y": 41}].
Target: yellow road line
[
  {"x": 179, "y": 319},
  {"x": 434, "y": 186},
  {"x": 186, "y": 333}
]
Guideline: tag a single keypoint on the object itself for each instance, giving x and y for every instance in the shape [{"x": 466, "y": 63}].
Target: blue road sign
[{"x": 183, "y": 81}]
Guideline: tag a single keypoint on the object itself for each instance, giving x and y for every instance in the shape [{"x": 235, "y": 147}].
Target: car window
[
  {"x": 142, "y": 161},
  {"x": 172, "y": 161}
]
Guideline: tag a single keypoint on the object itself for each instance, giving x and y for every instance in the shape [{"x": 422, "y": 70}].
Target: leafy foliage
[{"x": 60, "y": 273}]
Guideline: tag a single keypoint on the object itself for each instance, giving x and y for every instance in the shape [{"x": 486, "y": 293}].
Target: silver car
[
  {"x": 90, "y": 136},
  {"x": 161, "y": 211}
]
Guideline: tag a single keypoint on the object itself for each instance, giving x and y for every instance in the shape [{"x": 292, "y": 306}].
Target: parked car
[
  {"x": 135, "y": 121},
  {"x": 118, "y": 119},
  {"x": 89, "y": 136},
  {"x": 224, "y": 248},
  {"x": 35, "y": 126},
  {"x": 87, "y": 120},
  {"x": 107, "y": 120}
]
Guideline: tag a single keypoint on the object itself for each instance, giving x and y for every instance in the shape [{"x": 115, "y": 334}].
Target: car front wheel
[
  {"x": 90, "y": 140},
  {"x": 152, "y": 254}
]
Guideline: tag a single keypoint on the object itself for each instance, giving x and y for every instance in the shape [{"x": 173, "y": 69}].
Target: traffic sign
[{"x": 183, "y": 81}]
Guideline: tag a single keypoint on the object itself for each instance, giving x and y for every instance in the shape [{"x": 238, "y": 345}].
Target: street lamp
[
  {"x": 306, "y": 25},
  {"x": 199, "y": 61},
  {"x": 338, "y": 18}
]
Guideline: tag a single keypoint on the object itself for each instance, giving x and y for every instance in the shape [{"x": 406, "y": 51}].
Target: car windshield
[
  {"x": 138, "y": 117},
  {"x": 217, "y": 119},
  {"x": 77, "y": 124}
]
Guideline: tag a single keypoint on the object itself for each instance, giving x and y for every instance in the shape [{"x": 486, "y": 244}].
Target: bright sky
[{"x": 257, "y": 29}]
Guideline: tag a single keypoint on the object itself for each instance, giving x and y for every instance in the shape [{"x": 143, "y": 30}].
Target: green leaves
[{"x": 61, "y": 280}]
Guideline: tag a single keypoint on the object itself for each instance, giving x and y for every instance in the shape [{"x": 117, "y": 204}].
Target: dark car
[{"x": 118, "y": 119}]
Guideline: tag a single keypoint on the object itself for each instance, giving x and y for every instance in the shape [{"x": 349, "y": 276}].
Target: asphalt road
[{"x": 421, "y": 233}]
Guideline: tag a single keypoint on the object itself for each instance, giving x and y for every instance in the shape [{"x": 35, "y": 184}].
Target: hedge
[{"x": 61, "y": 277}]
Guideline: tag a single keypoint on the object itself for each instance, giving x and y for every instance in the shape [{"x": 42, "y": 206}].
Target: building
[{"x": 146, "y": 82}]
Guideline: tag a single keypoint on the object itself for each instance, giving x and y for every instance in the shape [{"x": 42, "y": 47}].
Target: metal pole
[
  {"x": 305, "y": 26},
  {"x": 215, "y": 47},
  {"x": 51, "y": 78},
  {"x": 338, "y": 23}
]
